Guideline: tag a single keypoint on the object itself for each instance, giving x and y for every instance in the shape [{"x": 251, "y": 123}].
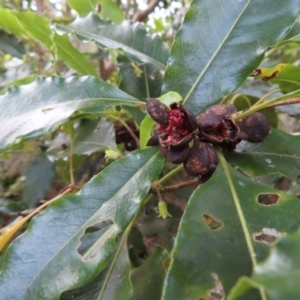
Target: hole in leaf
[
  {"x": 218, "y": 292},
  {"x": 268, "y": 199},
  {"x": 95, "y": 236},
  {"x": 211, "y": 222},
  {"x": 267, "y": 236}
]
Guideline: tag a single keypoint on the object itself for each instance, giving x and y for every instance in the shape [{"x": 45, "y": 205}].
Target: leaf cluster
[{"x": 87, "y": 211}]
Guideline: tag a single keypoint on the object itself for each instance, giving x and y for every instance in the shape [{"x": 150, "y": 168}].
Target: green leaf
[
  {"x": 241, "y": 287},
  {"x": 285, "y": 75},
  {"x": 216, "y": 232},
  {"x": 132, "y": 38},
  {"x": 83, "y": 7},
  {"x": 20, "y": 24},
  {"x": 280, "y": 274},
  {"x": 147, "y": 280},
  {"x": 90, "y": 136},
  {"x": 119, "y": 285},
  {"x": 38, "y": 179},
  {"x": 11, "y": 45},
  {"x": 288, "y": 78},
  {"x": 142, "y": 81},
  {"x": 109, "y": 10},
  {"x": 218, "y": 46},
  {"x": 16, "y": 82},
  {"x": 49, "y": 247},
  {"x": 264, "y": 158},
  {"x": 43, "y": 105},
  {"x": 294, "y": 33}
]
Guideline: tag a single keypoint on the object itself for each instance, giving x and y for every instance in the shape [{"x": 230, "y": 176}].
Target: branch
[
  {"x": 143, "y": 14},
  {"x": 286, "y": 102}
]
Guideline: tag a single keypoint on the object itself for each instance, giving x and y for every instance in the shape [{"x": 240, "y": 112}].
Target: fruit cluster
[
  {"x": 124, "y": 136},
  {"x": 178, "y": 127}
]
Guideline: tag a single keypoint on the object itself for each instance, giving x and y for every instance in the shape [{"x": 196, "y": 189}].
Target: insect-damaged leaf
[
  {"x": 211, "y": 239},
  {"x": 50, "y": 246},
  {"x": 118, "y": 286},
  {"x": 132, "y": 38},
  {"x": 279, "y": 275}
]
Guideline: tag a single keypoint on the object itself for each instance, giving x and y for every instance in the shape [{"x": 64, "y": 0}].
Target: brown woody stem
[
  {"x": 286, "y": 102},
  {"x": 143, "y": 14},
  {"x": 156, "y": 186},
  {"x": 180, "y": 185}
]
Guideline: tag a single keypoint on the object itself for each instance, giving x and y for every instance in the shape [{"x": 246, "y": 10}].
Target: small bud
[
  {"x": 112, "y": 155},
  {"x": 254, "y": 128},
  {"x": 163, "y": 210}
]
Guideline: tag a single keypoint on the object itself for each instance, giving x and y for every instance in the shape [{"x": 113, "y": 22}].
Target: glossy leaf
[
  {"x": 43, "y": 105},
  {"x": 142, "y": 81},
  {"x": 279, "y": 152},
  {"x": 219, "y": 45},
  {"x": 90, "y": 136},
  {"x": 202, "y": 249},
  {"x": 20, "y": 24},
  {"x": 280, "y": 274},
  {"x": 50, "y": 246},
  {"x": 294, "y": 33},
  {"x": 38, "y": 179},
  {"x": 132, "y": 38},
  {"x": 119, "y": 285},
  {"x": 148, "y": 279},
  {"x": 11, "y": 45}
]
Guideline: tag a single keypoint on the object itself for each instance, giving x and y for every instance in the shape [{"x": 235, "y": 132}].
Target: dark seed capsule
[
  {"x": 175, "y": 155},
  {"x": 157, "y": 111},
  {"x": 202, "y": 159},
  {"x": 225, "y": 131},
  {"x": 154, "y": 140},
  {"x": 254, "y": 128},
  {"x": 191, "y": 118},
  {"x": 214, "y": 116}
]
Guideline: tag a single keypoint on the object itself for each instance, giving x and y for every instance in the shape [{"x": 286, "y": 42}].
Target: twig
[
  {"x": 143, "y": 14},
  {"x": 7, "y": 232},
  {"x": 286, "y": 102},
  {"x": 133, "y": 135},
  {"x": 180, "y": 185},
  {"x": 156, "y": 186}
]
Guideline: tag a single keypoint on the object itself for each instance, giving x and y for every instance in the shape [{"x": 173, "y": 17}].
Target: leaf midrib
[
  {"x": 215, "y": 54},
  {"x": 269, "y": 154},
  {"x": 77, "y": 101},
  {"x": 282, "y": 80},
  {"x": 86, "y": 223}
]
